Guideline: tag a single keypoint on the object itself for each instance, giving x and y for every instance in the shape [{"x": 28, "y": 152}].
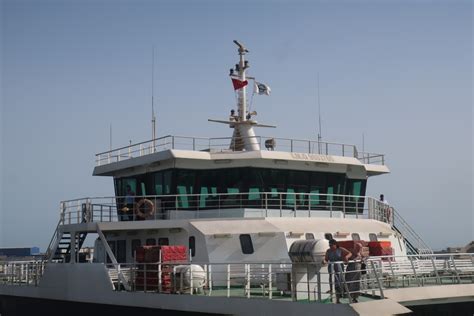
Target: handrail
[
  {"x": 307, "y": 281},
  {"x": 409, "y": 233},
  {"x": 260, "y": 204},
  {"x": 207, "y": 144}
]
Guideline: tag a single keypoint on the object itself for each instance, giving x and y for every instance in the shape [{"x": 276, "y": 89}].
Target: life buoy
[{"x": 147, "y": 206}]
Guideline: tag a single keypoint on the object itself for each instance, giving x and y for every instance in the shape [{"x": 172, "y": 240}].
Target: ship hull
[{"x": 19, "y": 306}]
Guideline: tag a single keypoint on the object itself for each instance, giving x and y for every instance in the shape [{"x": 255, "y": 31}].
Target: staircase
[
  {"x": 415, "y": 245},
  {"x": 62, "y": 252},
  {"x": 387, "y": 214}
]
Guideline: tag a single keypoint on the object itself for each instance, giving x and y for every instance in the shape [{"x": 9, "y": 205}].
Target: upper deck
[{"x": 301, "y": 149}]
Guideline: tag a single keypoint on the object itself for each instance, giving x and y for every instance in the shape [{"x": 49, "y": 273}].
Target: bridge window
[
  {"x": 328, "y": 236},
  {"x": 246, "y": 244},
  {"x": 185, "y": 185},
  {"x": 309, "y": 236},
  {"x": 167, "y": 177},
  {"x": 158, "y": 179},
  {"x": 355, "y": 236},
  {"x": 287, "y": 188},
  {"x": 373, "y": 237}
]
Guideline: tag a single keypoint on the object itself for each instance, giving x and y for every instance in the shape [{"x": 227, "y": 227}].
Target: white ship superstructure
[{"x": 242, "y": 206}]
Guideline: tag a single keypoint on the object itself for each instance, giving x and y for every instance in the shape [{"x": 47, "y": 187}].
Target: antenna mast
[
  {"x": 110, "y": 136},
  {"x": 153, "y": 119},
  {"x": 363, "y": 142},
  {"x": 320, "y": 136}
]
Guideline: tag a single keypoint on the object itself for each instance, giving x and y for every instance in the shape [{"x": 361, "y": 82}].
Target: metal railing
[
  {"x": 307, "y": 282},
  {"x": 219, "y": 144},
  {"x": 221, "y": 205},
  {"x": 414, "y": 241},
  {"x": 21, "y": 272}
]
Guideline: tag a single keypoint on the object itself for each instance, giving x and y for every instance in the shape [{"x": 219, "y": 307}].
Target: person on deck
[
  {"x": 129, "y": 203},
  {"x": 387, "y": 210},
  {"x": 334, "y": 256},
  {"x": 354, "y": 271}
]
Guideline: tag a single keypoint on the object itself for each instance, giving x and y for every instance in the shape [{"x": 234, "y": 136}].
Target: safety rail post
[
  {"x": 291, "y": 145},
  {"x": 209, "y": 278},
  {"x": 438, "y": 279},
  {"x": 414, "y": 271},
  {"x": 344, "y": 206},
  {"x": 270, "y": 285},
  {"x": 378, "y": 279},
  {"x": 308, "y": 286},
  {"x": 318, "y": 280},
  {"x": 294, "y": 204},
  {"x": 247, "y": 286},
  {"x": 160, "y": 281},
  {"x": 190, "y": 279},
  {"x": 78, "y": 212},
  {"x": 393, "y": 273},
  {"x": 308, "y": 195},
  {"x": 28, "y": 273},
  {"x": 228, "y": 280},
  {"x": 281, "y": 204},
  {"x": 455, "y": 269},
  {"x": 266, "y": 204},
  {"x": 36, "y": 274},
  {"x": 119, "y": 270}
]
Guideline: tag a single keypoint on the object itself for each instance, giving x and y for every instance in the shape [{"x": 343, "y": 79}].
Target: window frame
[{"x": 246, "y": 244}]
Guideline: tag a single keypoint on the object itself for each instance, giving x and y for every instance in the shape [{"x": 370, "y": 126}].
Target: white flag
[{"x": 261, "y": 88}]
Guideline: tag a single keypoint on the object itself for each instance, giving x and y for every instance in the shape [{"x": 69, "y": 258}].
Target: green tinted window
[
  {"x": 290, "y": 198},
  {"x": 167, "y": 176},
  {"x": 254, "y": 194},
  {"x": 314, "y": 198}
]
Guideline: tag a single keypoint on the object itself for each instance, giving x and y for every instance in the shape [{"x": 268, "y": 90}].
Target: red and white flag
[{"x": 238, "y": 84}]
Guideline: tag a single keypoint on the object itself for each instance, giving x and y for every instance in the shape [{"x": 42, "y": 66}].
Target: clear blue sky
[{"x": 398, "y": 71}]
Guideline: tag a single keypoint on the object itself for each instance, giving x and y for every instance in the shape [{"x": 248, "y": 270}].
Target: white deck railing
[
  {"x": 223, "y": 205},
  {"x": 274, "y": 280},
  {"x": 223, "y": 143}
]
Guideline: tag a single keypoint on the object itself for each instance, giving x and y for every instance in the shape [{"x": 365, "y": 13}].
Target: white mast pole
[
  {"x": 242, "y": 91},
  {"x": 153, "y": 119}
]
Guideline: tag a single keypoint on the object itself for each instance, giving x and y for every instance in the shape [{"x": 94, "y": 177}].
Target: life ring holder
[{"x": 148, "y": 206}]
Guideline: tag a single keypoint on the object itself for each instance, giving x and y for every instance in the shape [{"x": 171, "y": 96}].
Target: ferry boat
[{"x": 236, "y": 225}]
